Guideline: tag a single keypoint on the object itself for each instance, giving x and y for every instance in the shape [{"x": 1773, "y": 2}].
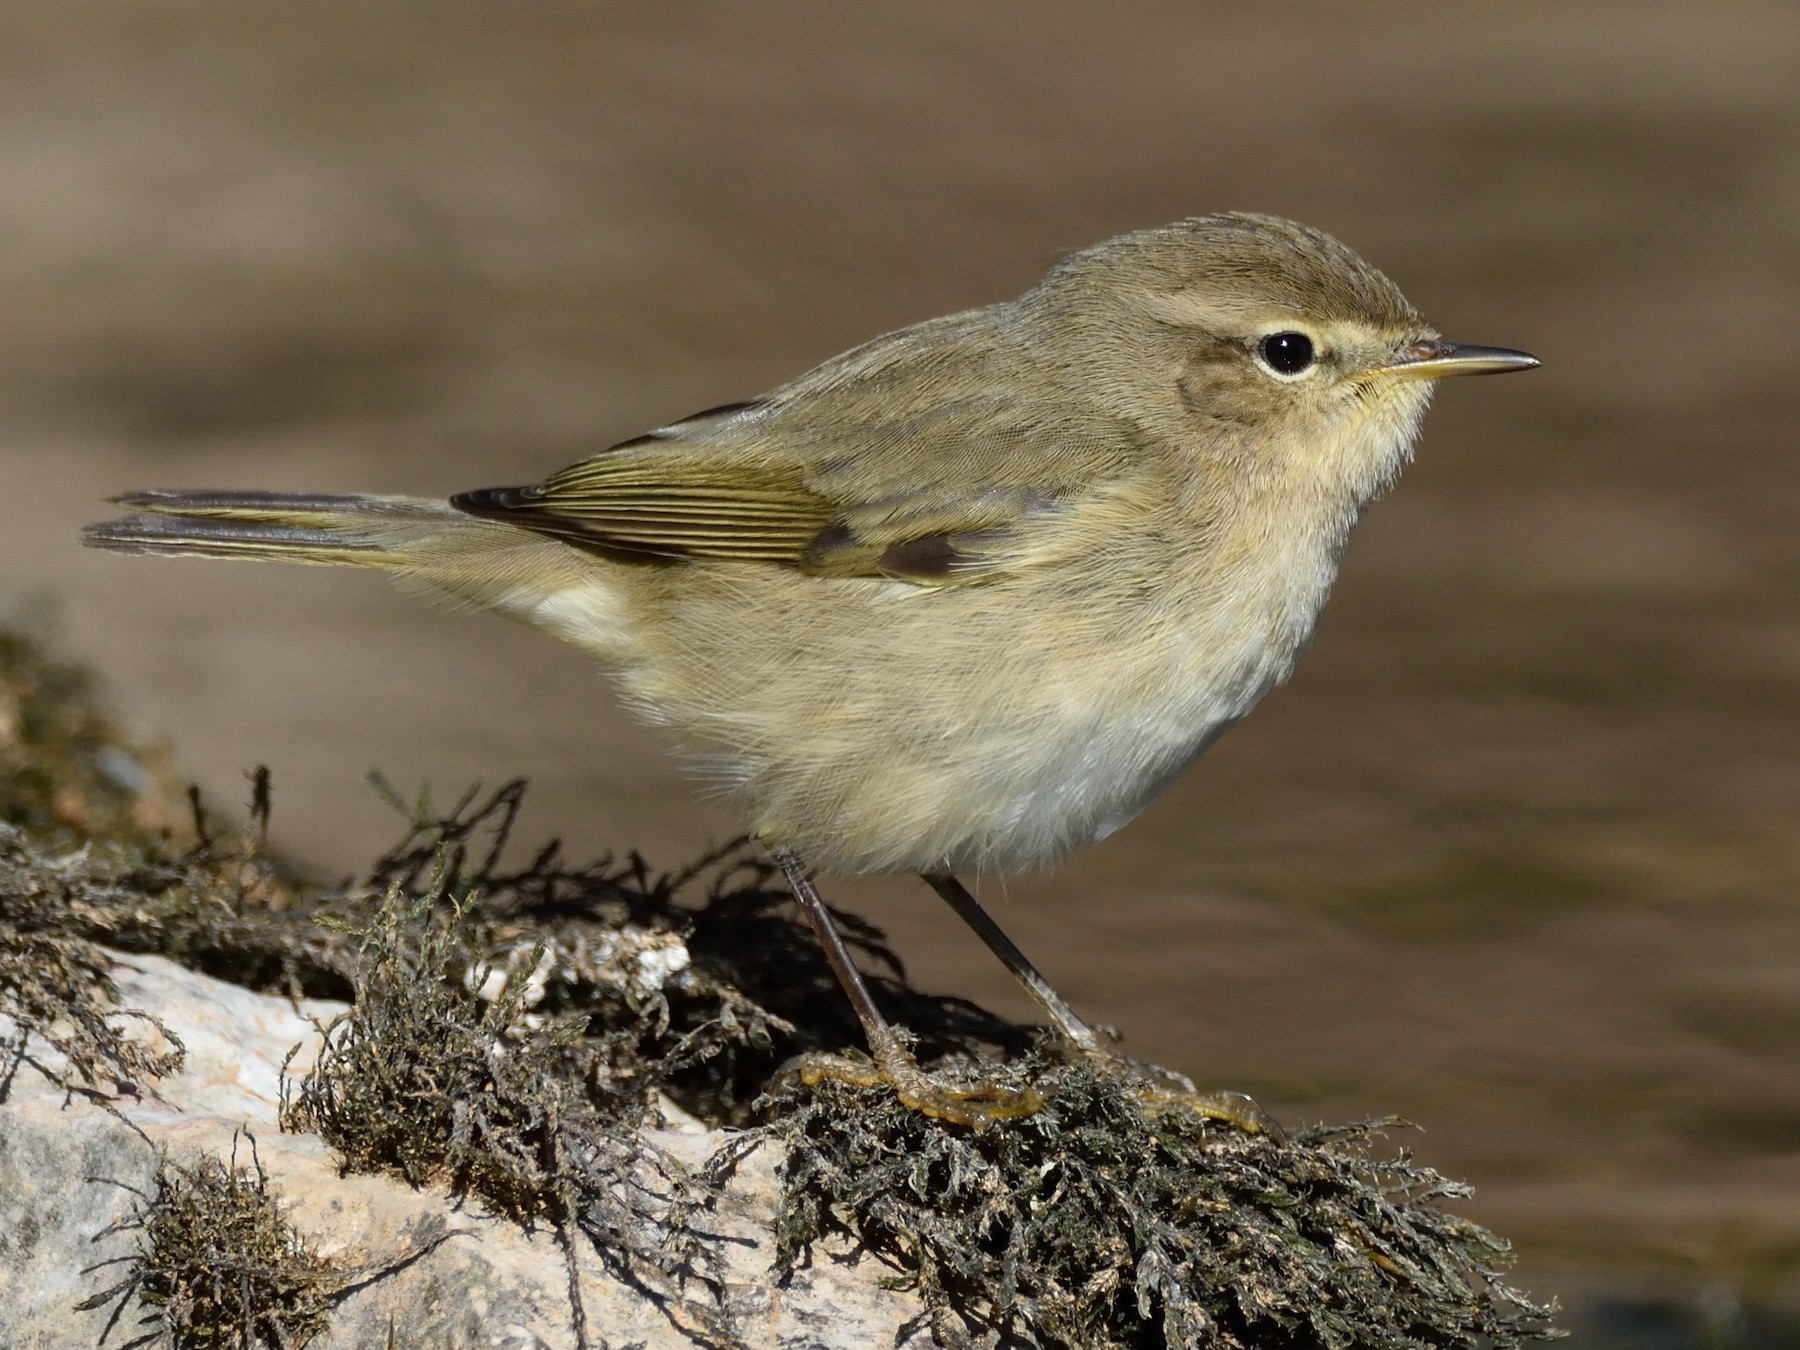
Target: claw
[
  {"x": 1239, "y": 1109},
  {"x": 976, "y": 1105},
  {"x": 1163, "y": 1090}
]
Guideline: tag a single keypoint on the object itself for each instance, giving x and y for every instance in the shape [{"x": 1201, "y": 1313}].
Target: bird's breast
[
  {"x": 1131, "y": 701},
  {"x": 877, "y": 727}
]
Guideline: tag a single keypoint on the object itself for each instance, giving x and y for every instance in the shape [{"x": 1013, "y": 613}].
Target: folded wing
[{"x": 927, "y": 462}]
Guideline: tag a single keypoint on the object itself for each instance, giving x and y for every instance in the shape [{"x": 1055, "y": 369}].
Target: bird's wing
[
  {"x": 672, "y": 493},
  {"x": 918, "y": 459}
]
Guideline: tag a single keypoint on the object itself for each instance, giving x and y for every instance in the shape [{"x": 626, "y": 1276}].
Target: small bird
[{"x": 967, "y": 596}]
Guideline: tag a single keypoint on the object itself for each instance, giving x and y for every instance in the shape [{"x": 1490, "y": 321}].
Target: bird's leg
[
  {"x": 894, "y": 1063},
  {"x": 1162, "y": 1087},
  {"x": 1066, "y": 1020}
]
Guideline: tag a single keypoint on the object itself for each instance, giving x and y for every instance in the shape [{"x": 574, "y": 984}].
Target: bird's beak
[{"x": 1433, "y": 360}]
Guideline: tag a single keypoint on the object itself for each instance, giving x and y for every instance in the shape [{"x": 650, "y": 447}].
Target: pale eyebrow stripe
[
  {"x": 1226, "y": 319},
  {"x": 1202, "y": 309}
]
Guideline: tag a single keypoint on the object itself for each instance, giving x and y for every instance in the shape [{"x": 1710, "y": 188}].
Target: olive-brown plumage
[{"x": 971, "y": 594}]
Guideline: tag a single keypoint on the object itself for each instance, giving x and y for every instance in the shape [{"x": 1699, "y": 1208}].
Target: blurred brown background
[{"x": 1514, "y": 856}]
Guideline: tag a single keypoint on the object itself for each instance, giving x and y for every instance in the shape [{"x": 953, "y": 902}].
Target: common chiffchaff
[{"x": 969, "y": 595}]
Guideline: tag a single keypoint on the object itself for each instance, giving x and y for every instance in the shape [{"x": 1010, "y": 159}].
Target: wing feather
[{"x": 923, "y": 456}]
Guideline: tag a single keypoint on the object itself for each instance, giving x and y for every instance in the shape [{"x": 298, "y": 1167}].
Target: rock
[{"x": 71, "y": 1168}]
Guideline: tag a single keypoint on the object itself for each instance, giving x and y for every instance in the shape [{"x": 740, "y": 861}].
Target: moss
[
  {"x": 1095, "y": 1223},
  {"x": 66, "y": 768},
  {"x": 441, "y": 1075},
  {"x": 218, "y": 1264},
  {"x": 697, "y": 983},
  {"x": 66, "y": 905},
  {"x": 56, "y": 991}
]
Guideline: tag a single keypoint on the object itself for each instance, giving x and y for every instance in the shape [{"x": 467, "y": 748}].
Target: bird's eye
[{"x": 1287, "y": 353}]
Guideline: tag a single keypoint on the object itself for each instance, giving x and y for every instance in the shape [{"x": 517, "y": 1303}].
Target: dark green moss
[
  {"x": 1096, "y": 1223},
  {"x": 56, "y": 990},
  {"x": 217, "y": 1263},
  {"x": 697, "y": 983},
  {"x": 443, "y": 1073}
]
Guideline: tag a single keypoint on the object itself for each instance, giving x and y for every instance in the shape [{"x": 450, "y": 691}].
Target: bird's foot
[
  {"x": 1163, "y": 1091},
  {"x": 975, "y": 1103}
]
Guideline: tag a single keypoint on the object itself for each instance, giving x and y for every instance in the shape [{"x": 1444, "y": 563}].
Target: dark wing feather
[
  {"x": 674, "y": 509},
  {"x": 931, "y": 535}
]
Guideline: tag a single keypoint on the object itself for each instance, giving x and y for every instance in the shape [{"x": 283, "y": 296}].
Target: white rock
[{"x": 65, "y": 1166}]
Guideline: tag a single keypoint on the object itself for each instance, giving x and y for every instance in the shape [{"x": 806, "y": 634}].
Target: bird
[{"x": 961, "y": 599}]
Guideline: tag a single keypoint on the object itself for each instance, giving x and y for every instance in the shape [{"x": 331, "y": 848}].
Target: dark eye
[{"x": 1287, "y": 353}]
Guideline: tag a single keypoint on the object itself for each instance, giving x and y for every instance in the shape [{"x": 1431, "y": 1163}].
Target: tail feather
[
  {"x": 252, "y": 504},
  {"x": 203, "y": 538},
  {"x": 297, "y": 527},
  {"x": 425, "y": 545}
]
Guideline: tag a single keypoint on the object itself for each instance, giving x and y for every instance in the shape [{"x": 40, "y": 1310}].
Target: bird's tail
[
  {"x": 425, "y": 545},
  {"x": 364, "y": 531}
]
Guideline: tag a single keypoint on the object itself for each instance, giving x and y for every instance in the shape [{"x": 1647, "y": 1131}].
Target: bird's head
[{"x": 1257, "y": 342}]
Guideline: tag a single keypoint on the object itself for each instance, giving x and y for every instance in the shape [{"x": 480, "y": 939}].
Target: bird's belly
[
  {"x": 944, "y": 733},
  {"x": 1005, "y": 793},
  {"x": 1083, "y": 786}
]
